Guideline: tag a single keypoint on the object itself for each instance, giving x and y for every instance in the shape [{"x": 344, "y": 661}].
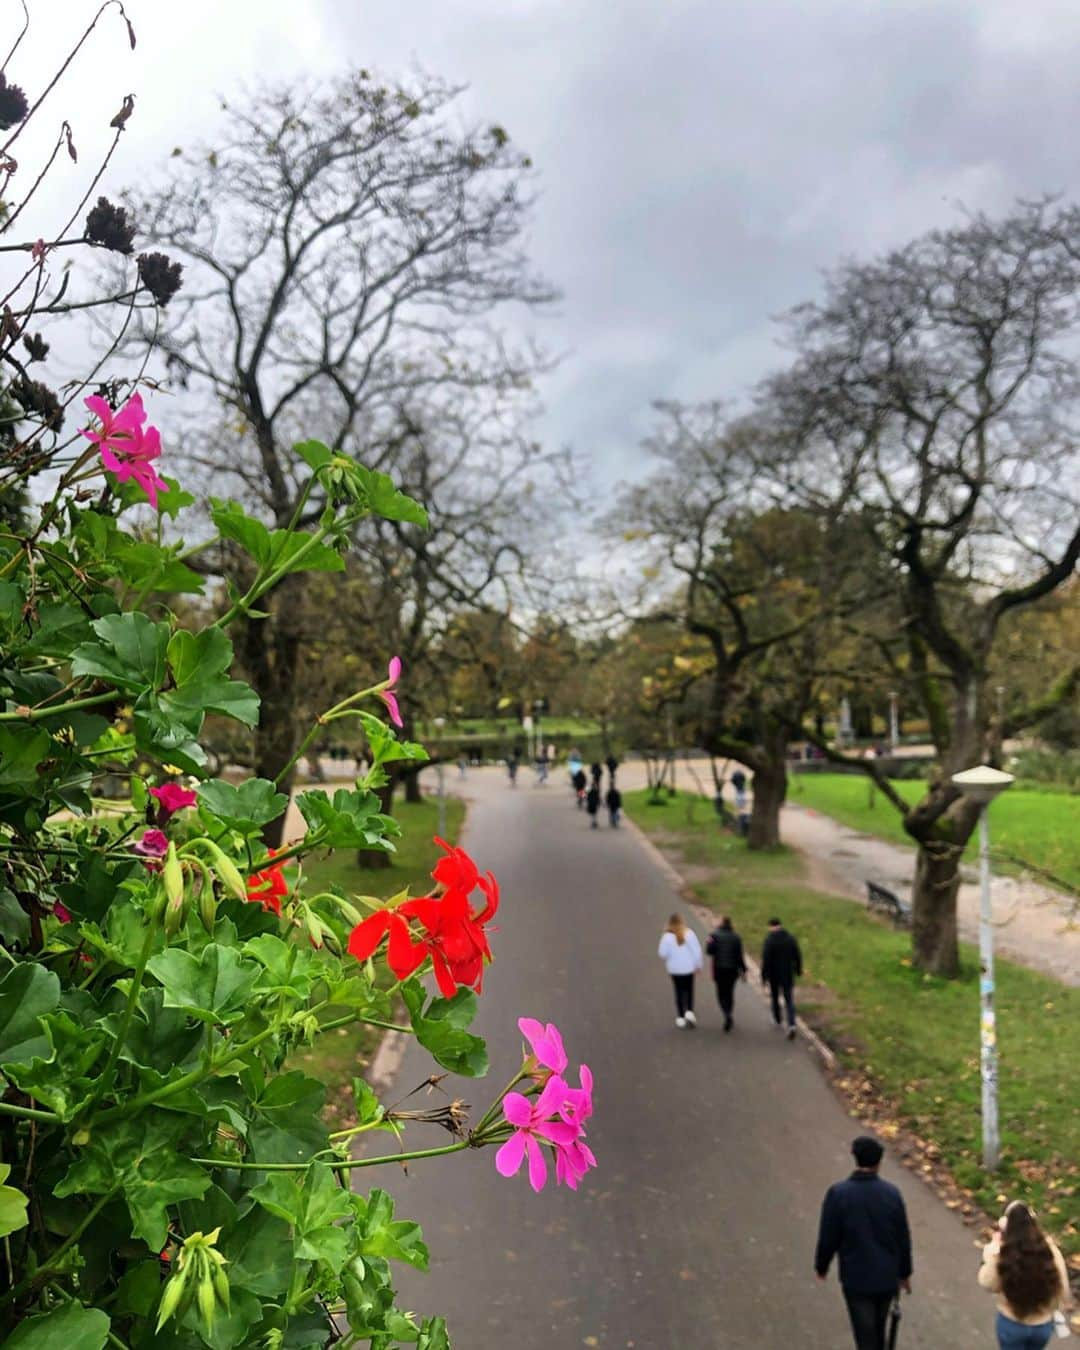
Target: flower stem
[
  {"x": 36, "y": 714},
  {"x": 343, "y": 1166},
  {"x": 105, "y": 1079},
  {"x": 27, "y": 1113}
]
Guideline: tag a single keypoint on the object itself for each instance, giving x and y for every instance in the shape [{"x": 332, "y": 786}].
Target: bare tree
[
  {"x": 756, "y": 580},
  {"x": 935, "y": 392},
  {"x": 347, "y": 251}
]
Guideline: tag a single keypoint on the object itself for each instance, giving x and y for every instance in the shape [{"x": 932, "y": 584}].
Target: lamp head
[{"x": 982, "y": 784}]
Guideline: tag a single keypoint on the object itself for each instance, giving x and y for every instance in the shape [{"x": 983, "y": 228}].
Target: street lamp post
[
  {"x": 982, "y": 785},
  {"x": 439, "y": 723},
  {"x": 894, "y": 721},
  {"x": 538, "y": 708}
]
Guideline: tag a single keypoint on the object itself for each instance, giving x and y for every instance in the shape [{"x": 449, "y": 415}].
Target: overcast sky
[{"x": 700, "y": 163}]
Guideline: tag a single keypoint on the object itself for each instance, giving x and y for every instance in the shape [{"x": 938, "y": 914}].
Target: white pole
[
  {"x": 442, "y": 800},
  {"x": 894, "y": 725},
  {"x": 988, "y": 1022}
]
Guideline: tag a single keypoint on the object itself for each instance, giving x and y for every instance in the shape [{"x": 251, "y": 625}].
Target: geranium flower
[
  {"x": 268, "y": 887},
  {"x": 572, "y": 1161},
  {"x": 171, "y": 797},
  {"x": 388, "y": 696},
  {"x": 61, "y": 912},
  {"x": 153, "y": 846},
  {"x": 536, "y": 1123},
  {"x": 577, "y": 1106},
  {"x": 454, "y": 936},
  {"x": 127, "y": 449},
  {"x": 545, "y": 1042}
]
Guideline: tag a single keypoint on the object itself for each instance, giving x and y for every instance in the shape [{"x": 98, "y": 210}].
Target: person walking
[
  {"x": 512, "y": 763},
  {"x": 597, "y": 773},
  {"x": 612, "y": 764},
  {"x": 580, "y": 781},
  {"x": 864, "y": 1223},
  {"x": 728, "y": 964},
  {"x": 613, "y": 802},
  {"x": 781, "y": 964},
  {"x": 1027, "y": 1272},
  {"x": 680, "y": 952},
  {"x": 592, "y": 805}
]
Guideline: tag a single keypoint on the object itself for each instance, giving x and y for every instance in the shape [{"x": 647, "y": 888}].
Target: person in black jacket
[
  {"x": 725, "y": 948},
  {"x": 781, "y": 963},
  {"x": 863, "y": 1221}
]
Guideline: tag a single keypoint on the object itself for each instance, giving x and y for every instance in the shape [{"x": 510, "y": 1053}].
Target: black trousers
[
  {"x": 777, "y": 989},
  {"x": 725, "y": 991},
  {"x": 869, "y": 1315},
  {"x": 684, "y": 993}
]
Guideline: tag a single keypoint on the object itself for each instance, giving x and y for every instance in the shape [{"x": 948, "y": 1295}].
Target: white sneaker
[
  {"x": 680, "y": 1021},
  {"x": 791, "y": 1033},
  {"x": 690, "y": 1017}
]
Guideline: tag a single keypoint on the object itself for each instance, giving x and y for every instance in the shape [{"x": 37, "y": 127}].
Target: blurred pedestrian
[
  {"x": 580, "y": 782},
  {"x": 864, "y": 1223},
  {"x": 512, "y": 762},
  {"x": 781, "y": 965},
  {"x": 613, "y": 802},
  {"x": 597, "y": 772},
  {"x": 541, "y": 768},
  {"x": 612, "y": 764},
  {"x": 592, "y": 805},
  {"x": 728, "y": 966},
  {"x": 1027, "y": 1272},
  {"x": 680, "y": 952},
  {"x": 462, "y": 764}
]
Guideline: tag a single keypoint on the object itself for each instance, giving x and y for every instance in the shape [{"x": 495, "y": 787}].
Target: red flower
[
  {"x": 454, "y": 936},
  {"x": 171, "y": 797},
  {"x": 268, "y": 887}
]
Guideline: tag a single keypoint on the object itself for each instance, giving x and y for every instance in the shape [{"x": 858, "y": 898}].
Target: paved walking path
[
  {"x": 1032, "y": 921},
  {"x": 697, "y": 1229}
]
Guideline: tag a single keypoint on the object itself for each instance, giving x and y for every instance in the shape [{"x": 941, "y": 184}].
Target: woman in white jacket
[{"x": 681, "y": 953}]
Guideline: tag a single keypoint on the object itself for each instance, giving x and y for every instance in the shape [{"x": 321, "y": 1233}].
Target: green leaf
[
  {"x": 245, "y": 808},
  {"x": 172, "y": 502},
  {"x": 231, "y": 1326},
  {"x": 213, "y": 986},
  {"x": 440, "y": 1029},
  {"x": 352, "y": 819},
  {"x": 14, "y": 920},
  {"x": 386, "y": 501},
  {"x": 12, "y": 1205},
  {"x": 142, "y": 1158},
  {"x": 260, "y": 1255},
  {"x": 385, "y": 746},
  {"x": 380, "y": 1235},
  {"x": 27, "y": 993},
  {"x": 130, "y": 651},
  {"x": 198, "y": 662},
  {"x": 287, "y": 1124},
  {"x": 61, "y": 1079},
  {"x": 434, "y": 1335},
  {"x": 288, "y": 969},
  {"x": 139, "y": 1289},
  {"x": 149, "y": 567},
  {"x": 313, "y": 1210},
  {"x": 21, "y": 752},
  {"x": 314, "y": 453},
  {"x": 272, "y": 549},
  {"x": 70, "y": 1327}
]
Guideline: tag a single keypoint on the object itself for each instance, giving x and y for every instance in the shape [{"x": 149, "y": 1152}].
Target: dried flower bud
[
  {"x": 36, "y": 346},
  {"x": 13, "y": 104},
  {"x": 160, "y": 276},
  {"x": 109, "y": 226},
  {"x": 38, "y": 399}
]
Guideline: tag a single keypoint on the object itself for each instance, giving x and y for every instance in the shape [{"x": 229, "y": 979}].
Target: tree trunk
[
  {"x": 933, "y": 902},
  {"x": 770, "y": 790},
  {"x": 413, "y": 795}
]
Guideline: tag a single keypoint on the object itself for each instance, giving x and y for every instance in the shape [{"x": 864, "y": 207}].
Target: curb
[{"x": 683, "y": 889}]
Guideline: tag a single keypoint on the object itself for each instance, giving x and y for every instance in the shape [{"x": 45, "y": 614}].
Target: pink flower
[
  {"x": 152, "y": 845},
  {"x": 38, "y": 250},
  {"x": 536, "y": 1123},
  {"x": 577, "y": 1106},
  {"x": 61, "y": 912},
  {"x": 572, "y": 1162},
  {"x": 545, "y": 1042},
  {"x": 388, "y": 696},
  {"x": 127, "y": 449},
  {"x": 171, "y": 797}
]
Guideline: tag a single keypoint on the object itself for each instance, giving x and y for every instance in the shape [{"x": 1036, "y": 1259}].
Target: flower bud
[
  {"x": 208, "y": 908},
  {"x": 207, "y": 1299},
  {"x": 172, "y": 875},
  {"x": 171, "y": 1296},
  {"x": 226, "y": 869}
]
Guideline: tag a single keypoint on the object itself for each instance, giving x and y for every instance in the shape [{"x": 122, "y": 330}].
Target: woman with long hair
[
  {"x": 680, "y": 952},
  {"x": 1027, "y": 1272}
]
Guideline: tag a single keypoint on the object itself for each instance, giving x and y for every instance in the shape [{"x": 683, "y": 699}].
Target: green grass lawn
[
  {"x": 338, "y": 1056},
  {"x": 507, "y": 729},
  {"x": 1028, "y": 823},
  {"x": 916, "y": 1037}
]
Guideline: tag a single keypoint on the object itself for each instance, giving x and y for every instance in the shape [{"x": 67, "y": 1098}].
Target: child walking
[{"x": 680, "y": 952}]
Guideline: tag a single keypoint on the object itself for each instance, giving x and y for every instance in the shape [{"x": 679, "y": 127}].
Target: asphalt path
[{"x": 697, "y": 1229}]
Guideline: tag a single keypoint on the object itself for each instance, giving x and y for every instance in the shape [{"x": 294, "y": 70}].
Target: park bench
[{"x": 882, "y": 899}]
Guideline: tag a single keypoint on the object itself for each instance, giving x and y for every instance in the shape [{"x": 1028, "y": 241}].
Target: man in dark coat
[
  {"x": 863, "y": 1221},
  {"x": 726, "y": 949},
  {"x": 781, "y": 964}
]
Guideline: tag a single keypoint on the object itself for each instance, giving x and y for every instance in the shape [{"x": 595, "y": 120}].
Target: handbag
[
  {"x": 1061, "y": 1326},
  {"x": 894, "y": 1323}
]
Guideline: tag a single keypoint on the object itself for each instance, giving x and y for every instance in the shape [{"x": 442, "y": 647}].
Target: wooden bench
[{"x": 882, "y": 899}]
